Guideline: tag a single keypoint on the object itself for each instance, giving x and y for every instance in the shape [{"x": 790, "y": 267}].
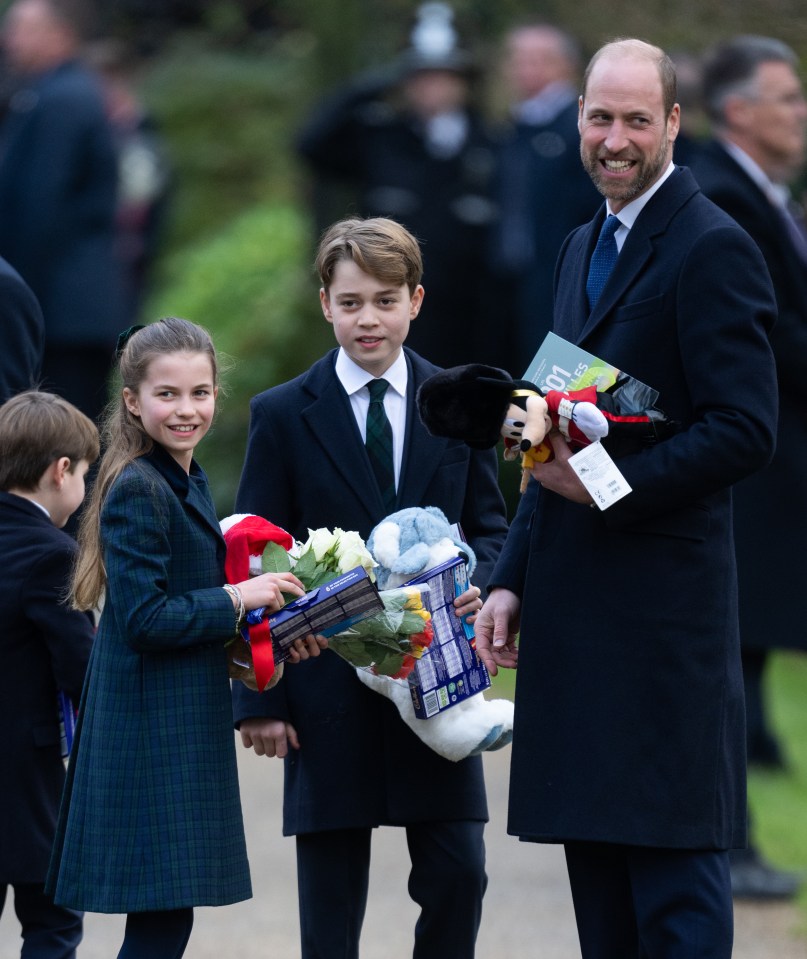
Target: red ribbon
[
  {"x": 263, "y": 657},
  {"x": 249, "y": 536}
]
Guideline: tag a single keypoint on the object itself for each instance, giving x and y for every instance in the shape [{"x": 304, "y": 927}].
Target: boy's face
[
  {"x": 370, "y": 318},
  {"x": 62, "y": 507}
]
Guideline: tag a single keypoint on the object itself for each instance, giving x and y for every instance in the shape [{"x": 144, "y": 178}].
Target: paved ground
[{"x": 528, "y": 912}]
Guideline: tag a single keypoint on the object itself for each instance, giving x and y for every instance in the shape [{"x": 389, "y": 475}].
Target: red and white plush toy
[
  {"x": 246, "y": 536},
  {"x": 479, "y": 404}
]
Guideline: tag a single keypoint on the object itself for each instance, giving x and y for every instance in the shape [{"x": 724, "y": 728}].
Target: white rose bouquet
[{"x": 387, "y": 643}]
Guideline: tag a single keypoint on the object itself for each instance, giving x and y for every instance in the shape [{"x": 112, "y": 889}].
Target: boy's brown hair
[
  {"x": 36, "y": 429},
  {"x": 380, "y": 247}
]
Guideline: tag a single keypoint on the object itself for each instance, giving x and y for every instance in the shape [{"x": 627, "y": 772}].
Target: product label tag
[{"x": 599, "y": 474}]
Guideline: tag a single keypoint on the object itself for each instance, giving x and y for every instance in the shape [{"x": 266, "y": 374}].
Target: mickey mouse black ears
[{"x": 466, "y": 403}]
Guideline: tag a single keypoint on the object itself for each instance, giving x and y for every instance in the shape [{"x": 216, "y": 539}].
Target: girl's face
[
  {"x": 370, "y": 318},
  {"x": 175, "y": 402}
]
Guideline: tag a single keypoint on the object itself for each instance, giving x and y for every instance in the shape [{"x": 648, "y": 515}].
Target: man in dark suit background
[
  {"x": 629, "y": 742},
  {"x": 58, "y": 176},
  {"x": 755, "y": 101},
  {"x": 23, "y": 334},
  {"x": 543, "y": 191}
]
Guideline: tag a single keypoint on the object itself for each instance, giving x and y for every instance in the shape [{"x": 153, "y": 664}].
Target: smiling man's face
[{"x": 626, "y": 139}]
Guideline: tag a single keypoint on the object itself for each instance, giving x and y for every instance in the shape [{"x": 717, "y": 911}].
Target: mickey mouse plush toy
[{"x": 479, "y": 404}]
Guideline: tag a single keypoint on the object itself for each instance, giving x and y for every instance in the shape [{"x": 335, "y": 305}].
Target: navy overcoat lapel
[
  {"x": 638, "y": 249},
  {"x": 329, "y": 414},
  {"x": 330, "y": 406},
  {"x": 423, "y": 453}
]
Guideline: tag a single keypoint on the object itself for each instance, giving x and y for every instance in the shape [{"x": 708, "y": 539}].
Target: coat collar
[
  {"x": 23, "y": 506},
  {"x": 329, "y": 404},
  {"x": 652, "y": 222},
  {"x": 191, "y": 488}
]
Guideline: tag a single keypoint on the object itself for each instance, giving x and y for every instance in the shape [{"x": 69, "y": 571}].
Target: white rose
[
  {"x": 320, "y": 541},
  {"x": 351, "y": 552}
]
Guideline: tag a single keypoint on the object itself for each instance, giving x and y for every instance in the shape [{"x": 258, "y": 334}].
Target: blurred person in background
[
  {"x": 694, "y": 125},
  {"x": 413, "y": 147},
  {"x": 144, "y": 171},
  {"x": 542, "y": 189},
  {"x": 755, "y": 101},
  {"x": 22, "y": 333},
  {"x": 58, "y": 180}
]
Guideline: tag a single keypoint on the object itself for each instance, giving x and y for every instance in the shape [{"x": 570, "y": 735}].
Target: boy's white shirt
[{"x": 354, "y": 379}]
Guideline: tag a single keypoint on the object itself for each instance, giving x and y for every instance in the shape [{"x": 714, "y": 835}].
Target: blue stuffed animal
[
  {"x": 405, "y": 544},
  {"x": 413, "y": 540}
]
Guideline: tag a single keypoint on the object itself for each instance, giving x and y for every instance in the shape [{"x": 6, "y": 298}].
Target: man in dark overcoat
[
  {"x": 755, "y": 100},
  {"x": 58, "y": 182},
  {"x": 629, "y": 741}
]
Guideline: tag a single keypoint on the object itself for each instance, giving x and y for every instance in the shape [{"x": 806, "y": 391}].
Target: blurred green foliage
[{"x": 778, "y": 799}]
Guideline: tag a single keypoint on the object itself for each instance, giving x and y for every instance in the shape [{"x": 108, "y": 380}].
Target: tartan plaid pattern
[
  {"x": 378, "y": 442},
  {"x": 151, "y": 817}
]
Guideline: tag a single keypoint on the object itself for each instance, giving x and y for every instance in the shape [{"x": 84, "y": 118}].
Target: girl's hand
[
  {"x": 469, "y": 603},
  {"x": 268, "y": 590}
]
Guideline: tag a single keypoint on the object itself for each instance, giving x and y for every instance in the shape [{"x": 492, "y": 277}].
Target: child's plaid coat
[{"x": 151, "y": 817}]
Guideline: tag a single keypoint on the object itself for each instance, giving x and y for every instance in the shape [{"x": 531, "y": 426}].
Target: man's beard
[{"x": 645, "y": 174}]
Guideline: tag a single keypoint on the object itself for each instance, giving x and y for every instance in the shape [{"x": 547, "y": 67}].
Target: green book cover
[{"x": 560, "y": 365}]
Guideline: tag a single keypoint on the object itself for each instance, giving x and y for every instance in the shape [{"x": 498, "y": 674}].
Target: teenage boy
[
  {"x": 351, "y": 764},
  {"x": 46, "y": 447}
]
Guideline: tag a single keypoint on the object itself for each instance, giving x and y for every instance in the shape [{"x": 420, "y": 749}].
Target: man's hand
[
  {"x": 558, "y": 476},
  {"x": 496, "y": 628},
  {"x": 268, "y": 737}
]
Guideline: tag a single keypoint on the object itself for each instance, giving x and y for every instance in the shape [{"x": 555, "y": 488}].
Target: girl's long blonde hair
[{"x": 124, "y": 440}]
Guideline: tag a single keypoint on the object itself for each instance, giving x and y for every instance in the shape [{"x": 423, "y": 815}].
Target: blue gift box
[
  {"x": 328, "y": 609},
  {"x": 450, "y": 670}
]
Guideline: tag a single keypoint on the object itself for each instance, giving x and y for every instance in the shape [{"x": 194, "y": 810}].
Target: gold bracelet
[{"x": 240, "y": 614}]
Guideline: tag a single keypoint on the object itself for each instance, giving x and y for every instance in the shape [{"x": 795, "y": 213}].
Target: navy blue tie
[
  {"x": 378, "y": 442},
  {"x": 602, "y": 260}
]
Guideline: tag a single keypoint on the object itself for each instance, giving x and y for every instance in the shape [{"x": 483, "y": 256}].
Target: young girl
[{"x": 150, "y": 823}]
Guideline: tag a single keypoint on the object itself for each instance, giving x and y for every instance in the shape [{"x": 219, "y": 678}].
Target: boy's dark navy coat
[
  {"x": 44, "y": 647},
  {"x": 306, "y": 467},
  {"x": 629, "y": 701}
]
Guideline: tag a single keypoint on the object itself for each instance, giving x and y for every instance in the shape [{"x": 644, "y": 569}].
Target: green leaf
[
  {"x": 275, "y": 559},
  {"x": 306, "y": 567}
]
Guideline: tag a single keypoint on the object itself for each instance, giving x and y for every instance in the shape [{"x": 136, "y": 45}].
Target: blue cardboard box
[
  {"x": 328, "y": 609},
  {"x": 450, "y": 670}
]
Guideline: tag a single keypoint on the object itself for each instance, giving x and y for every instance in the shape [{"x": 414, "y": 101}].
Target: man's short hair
[
  {"x": 36, "y": 429},
  {"x": 730, "y": 69}
]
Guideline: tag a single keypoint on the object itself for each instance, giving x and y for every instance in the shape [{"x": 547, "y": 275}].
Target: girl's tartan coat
[{"x": 151, "y": 816}]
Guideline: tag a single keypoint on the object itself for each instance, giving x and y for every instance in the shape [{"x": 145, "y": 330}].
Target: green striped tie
[{"x": 379, "y": 443}]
